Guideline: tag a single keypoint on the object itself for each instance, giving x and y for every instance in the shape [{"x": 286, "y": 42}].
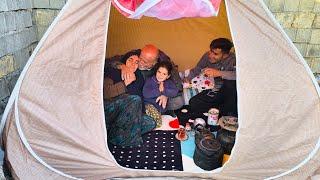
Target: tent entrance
[{"x": 184, "y": 41}]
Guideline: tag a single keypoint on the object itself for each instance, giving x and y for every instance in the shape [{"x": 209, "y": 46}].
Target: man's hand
[
  {"x": 211, "y": 72},
  {"x": 126, "y": 72},
  {"x": 129, "y": 80},
  {"x": 161, "y": 87},
  {"x": 162, "y": 101}
]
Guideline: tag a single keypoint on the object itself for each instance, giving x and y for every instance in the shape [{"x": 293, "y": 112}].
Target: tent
[{"x": 53, "y": 126}]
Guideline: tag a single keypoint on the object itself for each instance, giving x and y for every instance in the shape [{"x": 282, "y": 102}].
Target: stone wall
[
  {"x": 301, "y": 21},
  {"x": 23, "y": 23},
  {"x": 17, "y": 41},
  {"x": 44, "y": 12}
]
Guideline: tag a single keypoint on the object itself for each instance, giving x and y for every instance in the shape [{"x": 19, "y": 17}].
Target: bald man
[{"x": 149, "y": 56}]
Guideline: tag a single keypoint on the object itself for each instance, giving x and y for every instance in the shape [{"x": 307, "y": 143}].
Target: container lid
[
  {"x": 209, "y": 146},
  {"x": 229, "y": 123}
]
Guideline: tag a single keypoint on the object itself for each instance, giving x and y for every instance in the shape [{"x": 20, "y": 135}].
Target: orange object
[
  {"x": 182, "y": 134},
  {"x": 225, "y": 158}
]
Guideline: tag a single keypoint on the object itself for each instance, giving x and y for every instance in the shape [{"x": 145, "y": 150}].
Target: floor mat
[{"x": 160, "y": 151}]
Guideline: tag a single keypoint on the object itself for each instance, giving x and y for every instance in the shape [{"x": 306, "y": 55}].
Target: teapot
[{"x": 199, "y": 123}]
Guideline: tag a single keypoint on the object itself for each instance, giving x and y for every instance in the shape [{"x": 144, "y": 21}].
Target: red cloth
[
  {"x": 168, "y": 9},
  {"x": 131, "y": 5},
  {"x": 174, "y": 123}
]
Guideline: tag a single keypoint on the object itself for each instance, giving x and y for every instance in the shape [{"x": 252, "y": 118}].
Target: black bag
[
  {"x": 229, "y": 96},
  {"x": 226, "y": 139}
]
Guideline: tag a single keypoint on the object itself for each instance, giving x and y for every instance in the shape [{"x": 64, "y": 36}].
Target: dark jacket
[{"x": 118, "y": 87}]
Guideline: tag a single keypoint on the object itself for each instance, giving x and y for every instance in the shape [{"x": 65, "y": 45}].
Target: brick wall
[
  {"x": 44, "y": 12},
  {"x": 22, "y": 24},
  {"x": 17, "y": 41},
  {"x": 301, "y": 21}
]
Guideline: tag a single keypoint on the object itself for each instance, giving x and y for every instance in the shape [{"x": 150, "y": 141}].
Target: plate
[{"x": 223, "y": 122}]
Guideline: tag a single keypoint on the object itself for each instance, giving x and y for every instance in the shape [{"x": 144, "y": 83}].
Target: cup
[
  {"x": 213, "y": 116},
  {"x": 182, "y": 134},
  {"x": 188, "y": 127}
]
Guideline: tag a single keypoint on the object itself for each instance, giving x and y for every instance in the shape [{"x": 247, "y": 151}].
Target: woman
[{"x": 124, "y": 112}]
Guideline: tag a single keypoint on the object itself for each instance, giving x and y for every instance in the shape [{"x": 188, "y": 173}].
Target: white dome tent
[{"x": 54, "y": 127}]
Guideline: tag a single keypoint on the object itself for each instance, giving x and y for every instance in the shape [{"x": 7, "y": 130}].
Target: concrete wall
[
  {"x": 301, "y": 20},
  {"x": 23, "y": 23},
  {"x": 44, "y": 12},
  {"x": 17, "y": 41}
]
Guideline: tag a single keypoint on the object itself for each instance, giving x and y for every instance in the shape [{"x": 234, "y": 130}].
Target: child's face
[{"x": 162, "y": 74}]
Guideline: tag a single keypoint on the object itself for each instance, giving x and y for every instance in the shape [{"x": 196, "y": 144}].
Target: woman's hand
[
  {"x": 129, "y": 79},
  {"x": 126, "y": 72}
]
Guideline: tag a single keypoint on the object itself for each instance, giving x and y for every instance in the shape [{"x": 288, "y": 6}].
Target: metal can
[
  {"x": 188, "y": 127},
  {"x": 213, "y": 116}
]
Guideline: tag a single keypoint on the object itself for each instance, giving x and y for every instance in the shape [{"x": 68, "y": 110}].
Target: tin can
[
  {"x": 188, "y": 127},
  {"x": 213, "y": 116}
]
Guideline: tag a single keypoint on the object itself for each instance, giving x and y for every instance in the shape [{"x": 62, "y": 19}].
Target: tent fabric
[
  {"x": 18, "y": 156},
  {"x": 167, "y": 9},
  {"x": 126, "y": 7},
  {"x": 58, "y": 100}
]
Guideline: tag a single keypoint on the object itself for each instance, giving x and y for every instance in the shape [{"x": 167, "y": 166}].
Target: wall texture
[
  {"x": 23, "y": 23},
  {"x": 301, "y": 21},
  {"x": 17, "y": 41}
]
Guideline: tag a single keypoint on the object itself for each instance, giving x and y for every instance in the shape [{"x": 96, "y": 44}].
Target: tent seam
[
  {"x": 103, "y": 114},
  {"x": 27, "y": 145},
  {"x": 237, "y": 77}
]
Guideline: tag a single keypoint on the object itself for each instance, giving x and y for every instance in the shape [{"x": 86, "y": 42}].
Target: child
[{"x": 157, "y": 86}]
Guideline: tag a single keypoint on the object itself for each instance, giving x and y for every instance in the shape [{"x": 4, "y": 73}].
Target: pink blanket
[{"x": 167, "y": 9}]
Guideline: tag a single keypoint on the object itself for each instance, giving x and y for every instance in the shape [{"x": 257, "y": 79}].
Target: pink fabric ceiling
[{"x": 167, "y": 9}]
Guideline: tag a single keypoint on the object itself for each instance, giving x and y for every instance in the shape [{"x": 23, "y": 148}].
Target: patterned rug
[{"x": 160, "y": 151}]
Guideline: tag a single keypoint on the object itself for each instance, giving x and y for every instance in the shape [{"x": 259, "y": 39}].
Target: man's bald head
[{"x": 148, "y": 57}]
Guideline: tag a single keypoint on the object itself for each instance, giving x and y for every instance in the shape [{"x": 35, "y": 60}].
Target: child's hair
[{"x": 164, "y": 64}]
